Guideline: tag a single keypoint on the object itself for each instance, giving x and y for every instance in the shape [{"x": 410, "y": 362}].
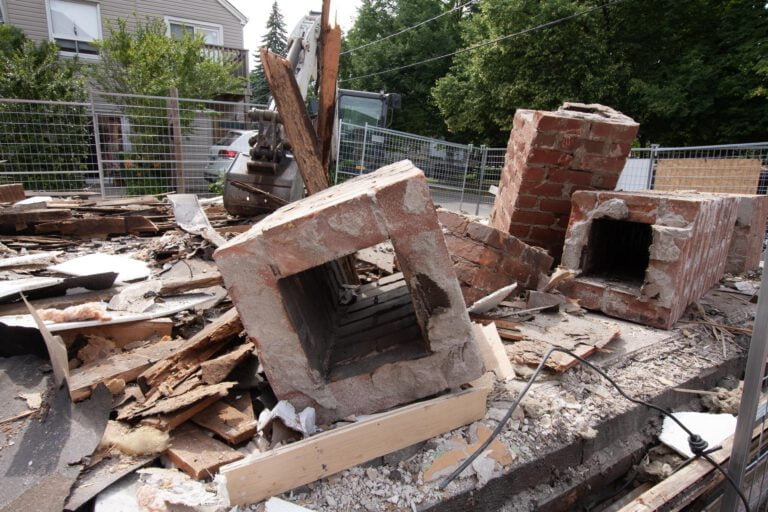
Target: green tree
[
  {"x": 379, "y": 18},
  {"x": 690, "y": 75},
  {"x": 30, "y": 71},
  {"x": 276, "y": 41}
]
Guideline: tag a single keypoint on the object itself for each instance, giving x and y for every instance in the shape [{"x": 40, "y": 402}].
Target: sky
[{"x": 257, "y": 12}]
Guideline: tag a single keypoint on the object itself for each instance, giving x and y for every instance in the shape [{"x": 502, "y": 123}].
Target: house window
[
  {"x": 211, "y": 33},
  {"x": 75, "y": 25}
]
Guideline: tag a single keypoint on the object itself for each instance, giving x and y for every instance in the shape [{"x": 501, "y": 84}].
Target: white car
[{"x": 223, "y": 153}]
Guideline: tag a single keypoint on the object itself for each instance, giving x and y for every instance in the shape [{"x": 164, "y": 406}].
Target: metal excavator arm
[{"x": 271, "y": 177}]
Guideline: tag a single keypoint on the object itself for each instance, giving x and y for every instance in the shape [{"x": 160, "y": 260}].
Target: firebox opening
[
  {"x": 342, "y": 338},
  {"x": 617, "y": 250}
]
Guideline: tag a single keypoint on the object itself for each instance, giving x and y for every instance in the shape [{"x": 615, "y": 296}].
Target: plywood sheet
[{"x": 728, "y": 175}]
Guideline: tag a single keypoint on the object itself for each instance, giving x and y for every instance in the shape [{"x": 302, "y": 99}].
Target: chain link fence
[
  {"x": 124, "y": 145},
  {"x": 121, "y": 144}
]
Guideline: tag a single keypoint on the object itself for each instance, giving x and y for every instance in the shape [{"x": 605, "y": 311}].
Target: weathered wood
[
  {"x": 168, "y": 422},
  {"x": 299, "y": 463},
  {"x": 174, "y": 286},
  {"x": 216, "y": 370},
  {"x": 98, "y": 226},
  {"x": 126, "y": 366},
  {"x": 13, "y": 220},
  {"x": 175, "y": 403},
  {"x": 227, "y": 422},
  {"x": 330, "y": 46},
  {"x": 198, "y": 455},
  {"x": 295, "y": 119},
  {"x": 123, "y": 334},
  {"x": 174, "y": 370},
  {"x": 12, "y": 192}
]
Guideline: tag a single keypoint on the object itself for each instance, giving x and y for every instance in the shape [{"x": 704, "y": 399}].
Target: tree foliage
[
  {"x": 379, "y": 18},
  {"x": 145, "y": 60},
  {"x": 689, "y": 72},
  {"x": 276, "y": 41}
]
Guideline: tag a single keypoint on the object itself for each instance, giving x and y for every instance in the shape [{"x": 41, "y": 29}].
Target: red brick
[
  {"x": 520, "y": 230},
  {"x": 568, "y": 176},
  {"x": 534, "y": 218},
  {"x": 614, "y": 132},
  {"x": 556, "y": 205},
  {"x": 454, "y": 222},
  {"x": 541, "y": 189},
  {"x": 527, "y": 202},
  {"x": 549, "y": 157},
  {"x": 549, "y": 234}
]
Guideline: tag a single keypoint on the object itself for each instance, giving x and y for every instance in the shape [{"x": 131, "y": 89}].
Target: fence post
[
  {"x": 174, "y": 125},
  {"x": 464, "y": 181},
  {"x": 483, "y": 161},
  {"x": 362, "y": 153},
  {"x": 97, "y": 137},
  {"x": 652, "y": 154},
  {"x": 753, "y": 383},
  {"x": 338, "y": 151}
]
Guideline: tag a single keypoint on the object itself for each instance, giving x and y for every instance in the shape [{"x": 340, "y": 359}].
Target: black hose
[{"x": 697, "y": 445}]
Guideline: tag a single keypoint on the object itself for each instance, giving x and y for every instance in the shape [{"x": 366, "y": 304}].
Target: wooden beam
[
  {"x": 296, "y": 464},
  {"x": 295, "y": 119},
  {"x": 228, "y": 422},
  {"x": 330, "y": 47}
]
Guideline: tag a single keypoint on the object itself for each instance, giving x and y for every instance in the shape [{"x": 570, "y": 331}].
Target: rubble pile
[{"x": 351, "y": 349}]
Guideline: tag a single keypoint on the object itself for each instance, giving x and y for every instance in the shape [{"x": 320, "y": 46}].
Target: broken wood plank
[
  {"x": 500, "y": 322},
  {"x": 13, "y": 220},
  {"x": 216, "y": 370},
  {"x": 172, "y": 371},
  {"x": 295, "y": 119},
  {"x": 227, "y": 422},
  {"x": 492, "y": 351},
  {"x": 98, "y": 226},
  {"x": 126, "y": 366},
  {"x": 293, "y": 465},
  {"x": 330, "y": 48},
  {"x": 123, "y": 334},
  {"x": 198, "y": 455},
  {"x": 168, "y": 422},
  {"x": 12, "y": 192},
  {"x": 175, "y": 286},
  {"x": 174, "y": 403}
]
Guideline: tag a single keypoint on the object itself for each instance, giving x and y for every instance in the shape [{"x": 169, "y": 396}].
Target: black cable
[{"x": 697, "y": 445}]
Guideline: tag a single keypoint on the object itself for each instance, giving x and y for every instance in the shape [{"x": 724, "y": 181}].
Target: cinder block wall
[{"x": 550, "y": 156}]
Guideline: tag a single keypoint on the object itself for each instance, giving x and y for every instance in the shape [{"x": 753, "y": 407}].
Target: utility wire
[
  {"x": 366, "y": 45},
  {"x": 697, "y": 445},
  {"x": 486, "y": 43}
]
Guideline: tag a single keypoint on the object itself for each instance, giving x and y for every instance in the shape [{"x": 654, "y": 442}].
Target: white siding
[{"x": 31, "y": 17}]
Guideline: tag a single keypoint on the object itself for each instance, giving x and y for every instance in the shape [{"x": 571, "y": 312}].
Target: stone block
[
  {"x": 550, "y": 156},
  {"x": 405, "y": 337},
  {"x": 645, "y": 256},
  {"x": 486, "y": 259}
]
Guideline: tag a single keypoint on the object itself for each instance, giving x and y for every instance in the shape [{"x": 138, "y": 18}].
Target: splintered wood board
[
  {"x": 729, "y": 175},
  {"x": 293, "y": 465}
]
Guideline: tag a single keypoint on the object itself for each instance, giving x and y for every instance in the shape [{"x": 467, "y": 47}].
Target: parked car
[{"x": 223, "y": 153}]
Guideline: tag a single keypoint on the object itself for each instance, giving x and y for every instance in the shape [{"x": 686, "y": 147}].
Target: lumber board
[
  {"x": 226, "y": 421},
  {"x": 98, "y": 226},
  {"x": 12, "y": 192},
  {"x": 330, "y": 48},
  {"x": 295, "y": 119},
  {"x": 168, "y": 422},
  {"x": 174, "y": 286},
  {"x": 492, "y": 351},
  {"x": 198, "y": 455},
  {"x": 123, "y": 334},
  {"x": 730, "y": 175},
  {"x": 293, "y": 465}
]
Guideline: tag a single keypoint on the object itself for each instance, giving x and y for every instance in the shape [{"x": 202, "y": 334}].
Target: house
[{"x": 74, "y": 24}]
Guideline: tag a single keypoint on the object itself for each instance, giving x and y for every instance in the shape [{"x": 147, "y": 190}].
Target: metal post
[
  {"x": 653, "y": 152},
  {"x": 753, "y": 383},
  {"x": 174, "y": 123},
  {"x": 338, "y": 151},
  {"x": 97, "y": 137},
  {"x": 464, "y": 181},
  {"x": 362, "y": 153},
  {"x": 484, "y": 159}
]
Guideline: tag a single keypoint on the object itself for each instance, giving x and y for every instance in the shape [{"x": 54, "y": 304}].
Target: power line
[
  {"x": 486, "y": 43},
  {"x": 409, "y": 28}
]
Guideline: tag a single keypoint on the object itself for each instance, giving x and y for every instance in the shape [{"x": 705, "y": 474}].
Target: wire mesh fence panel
[{"x": 48, "y": 146}]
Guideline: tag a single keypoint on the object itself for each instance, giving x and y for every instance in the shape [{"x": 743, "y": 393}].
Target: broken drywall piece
[
  {"x": 191, "y": 218},
  {"x": 136, "y": 298},
  {"x": 128, "y": 269},
  {"x": 713, "y": 428},
  {"x": 278, "y": 505},
  {"x": 34, "y": 400},
  {"x": 303, "y": 422},
  {"x": 491, "y": 301},
  {"x": 118, "y": 497},
  {"x": 492, "y": 350},
  {"x": 41, "y": 259},
  {"x": 169, "y": 306},
  {"x": 160, "y": 489}
]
